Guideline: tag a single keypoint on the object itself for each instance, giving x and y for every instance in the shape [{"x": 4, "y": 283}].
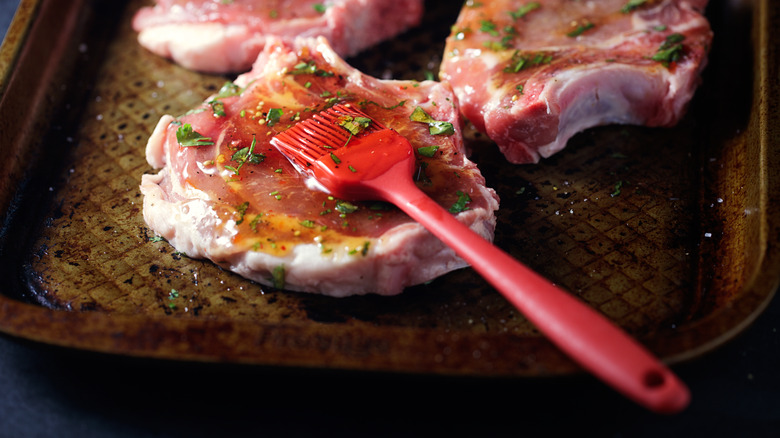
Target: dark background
[{"x": 47, "y": 391}]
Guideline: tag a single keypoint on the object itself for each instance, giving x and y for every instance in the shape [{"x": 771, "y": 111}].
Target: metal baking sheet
[{"x": 671, "y": 233}]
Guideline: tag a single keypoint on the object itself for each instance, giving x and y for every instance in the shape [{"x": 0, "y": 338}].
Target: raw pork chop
[
  {"x": 531, "y": 74},
  {"x": 226, "y": 194},
  {"x": 219, "y": 36}
]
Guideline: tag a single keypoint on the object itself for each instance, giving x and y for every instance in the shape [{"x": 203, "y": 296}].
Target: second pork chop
[{"x": 531, "y": 74}]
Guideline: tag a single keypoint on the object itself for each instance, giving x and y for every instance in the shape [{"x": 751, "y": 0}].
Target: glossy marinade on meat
[
  {"x": 218, "y": 36},
  {"x": 531, "y": 74},
  {"x": 224, "y": 193}
]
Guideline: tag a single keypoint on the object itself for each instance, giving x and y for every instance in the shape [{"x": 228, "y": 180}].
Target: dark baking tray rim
[{"x": 21, "y": 69}]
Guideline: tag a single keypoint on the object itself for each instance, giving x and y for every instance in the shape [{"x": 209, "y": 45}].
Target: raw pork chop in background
[
  {"x": 531, "y": 74},
  {"x": 224, "y": 193},
  {"x": 218, "y": 36}
]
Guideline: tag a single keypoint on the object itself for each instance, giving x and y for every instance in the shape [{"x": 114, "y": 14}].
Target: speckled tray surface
[{"x": 671, "y": 233}]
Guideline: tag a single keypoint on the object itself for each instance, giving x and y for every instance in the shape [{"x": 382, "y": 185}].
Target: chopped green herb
[
  {"x": 352, "y": 169},
  {"x": 217, "y": 108},
  {"x": 255, "y": 221},
  {"x": 420, "y": 115},
  {"x": 441, "y": 128},
  {"x": 172, "y": 295},
  {"x": 187, "y": 137},
  {"x": 427, "y": 151},
  {"x": 631, "y": 5},
  {"x": 307, "y": 223},
  {"x": 156, "y": 239},
  {"x": 277, "y": 278},
  {"x": 461, "y": 204},
  {"x": 241, "y": 209},
  {"x": 355, "y": 125},
  {"x": 309, "y": 68},
  {"x": 618, "y": 186},
  {"x": 345, "y": 207},
  {"x": 229, "y": 89},
  {"x": 319, "y": 7},
  {"x": 435, "y": 127},
  {"x": 670, "y": 50},
  {"x": 522, "y": 60},
  {"x": 580, "y": 29},
  {"x": 488, "y": 27},
  {"x": 525, "y": 9},
  {"x": 273, "y": 116},
  {"x": 246, "y": 155},
  {"x": 335, "y": 158}
]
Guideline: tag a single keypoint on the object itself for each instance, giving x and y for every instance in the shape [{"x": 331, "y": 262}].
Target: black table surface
[{"x": 47, "y": 391}]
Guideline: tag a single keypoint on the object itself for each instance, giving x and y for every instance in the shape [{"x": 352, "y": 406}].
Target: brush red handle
[{"x": 594, "y": 342}]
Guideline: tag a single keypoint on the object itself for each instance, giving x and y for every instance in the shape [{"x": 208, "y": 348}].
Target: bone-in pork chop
[
  {"x": 219, "y": 36},
  {"x": 531, "y": 74},
  {"x": 224, "y": 193}
]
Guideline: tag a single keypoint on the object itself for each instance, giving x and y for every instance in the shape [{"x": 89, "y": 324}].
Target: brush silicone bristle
[{"x": 324, "y": 132}]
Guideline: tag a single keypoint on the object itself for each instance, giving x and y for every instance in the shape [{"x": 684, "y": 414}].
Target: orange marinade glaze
[{"x": 268, "y": 198}]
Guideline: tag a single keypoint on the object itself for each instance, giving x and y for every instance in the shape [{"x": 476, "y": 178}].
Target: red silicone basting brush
[{"x": 370, "y": 161}]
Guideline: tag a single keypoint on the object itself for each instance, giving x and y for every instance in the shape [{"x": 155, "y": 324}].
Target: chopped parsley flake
[
  {"x": 670, "y": 50},
  {"x": 522, "y": 61},
  {"x": 246, "y": 155},
  {"x": 631, "y": 5},
  {"x": 217, "y": 108},
  {"x": 580, "y": 29},
  {"x": 187, "y": 137},
  {"x": 241, "y": 209},
  {"x": 345, "y": 207},
  {"x": 309, "y": 68},
  {"x": 355, "y": 125},
  {"x": 488, "y": 27},
  {"x": 616, "y": 192},
  {"x": 461, "y": 204},
  {"x": 277, "y": 278},
  {"x": 435, "y": 127},
  {"x": 319, "y": 7},
  {"x": 420, "y": 115},
  {"x": 441, "y": 128},
  {"x": 273, "y": 116},
  {"x": 229, "y": 89},
  {"x": 255, "y": 221},
  {"x": 522, "y": 11},
  {"x": 427, "y": 151}
]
